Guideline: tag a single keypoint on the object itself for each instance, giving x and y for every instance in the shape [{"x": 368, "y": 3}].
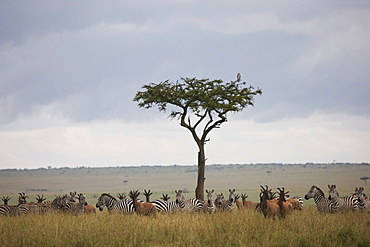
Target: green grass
[{"x": 239, "y": 228}]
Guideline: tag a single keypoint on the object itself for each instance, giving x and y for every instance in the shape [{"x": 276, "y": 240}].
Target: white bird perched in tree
[{"x": 238, "y": 77}]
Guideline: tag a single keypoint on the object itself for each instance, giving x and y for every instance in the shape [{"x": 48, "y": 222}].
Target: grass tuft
[{"x": 239, "y": 228}]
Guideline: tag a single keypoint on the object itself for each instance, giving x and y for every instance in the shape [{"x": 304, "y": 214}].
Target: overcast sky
[{"x": 70, "y": 69}]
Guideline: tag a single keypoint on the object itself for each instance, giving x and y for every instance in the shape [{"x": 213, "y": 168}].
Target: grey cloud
[{"x": 91, "y": 66}]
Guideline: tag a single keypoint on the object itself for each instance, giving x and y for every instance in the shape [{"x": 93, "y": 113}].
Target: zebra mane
[
  {"x": 319, "y": 190},
  {"x": 110, "y": 196}
]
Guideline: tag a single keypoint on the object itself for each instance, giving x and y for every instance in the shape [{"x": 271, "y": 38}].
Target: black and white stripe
[
  {"x": 344, "y": 203},
  {"x": 219, "y": 201},
  {"x": 166, "y": 206},
  {"x": 209, "y": 206},
  {"x": 363, "y": 201},
  {"x": 123, "y": 206},
  {"x": 34, "y": 208},
  {"x": 190, "y": 205},
  {"x": 74, "y": 208},
  {"x": 323, "y": 205},
  {"x": 300, "y": 200},
  {"x": 228, "y": 205},
  {"x": 9, "y": 210}
]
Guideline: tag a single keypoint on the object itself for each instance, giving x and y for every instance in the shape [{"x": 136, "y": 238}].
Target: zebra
[
  {"x": 344, "y": 203},
  {"x": 56, "y": 205},
  {"x": 74, "y": 208},
  {"x": 219, "y": 201},
  {"x": 209, "y": 206},
  {"x": 190, "y": 205},
  {"x": 33, "y": 208},
  {"x": 323, "y": 205},
  {"x": 363, "y": 201},
  {"x": 300, "y": 200},
  {"x": 9, "y": 210},
  {"x": 41, "y": 208},
  {"x": 228, "y": 205},
  {"x": 12, "y": 210},
  {"x": 123, "y": 206},
  {"x": 166, "y": 206}
]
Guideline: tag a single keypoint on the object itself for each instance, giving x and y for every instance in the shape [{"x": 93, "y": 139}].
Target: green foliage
[
  {"x": 201, "y": 96},
  {"x": 239, "y": 228}
]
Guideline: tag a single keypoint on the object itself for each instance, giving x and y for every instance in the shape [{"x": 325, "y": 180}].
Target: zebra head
[
  {"x": 82, "y": 198},
  {"x": 314, "y": 191},
  {"x": 57, "y": 203},
  {"x": 219, "y": 201},
  {"x": 359, "y": 193},
  {"x": 179, "y": 196},
  {"x": 104, "y": 200},
  {"x": 209, "y": 196},
  {"x": 333, "y": 194},
  {"x": 72, "y": 197},
  {"x": 232, "y": 195},
  {"x": 65, "y": 200}
]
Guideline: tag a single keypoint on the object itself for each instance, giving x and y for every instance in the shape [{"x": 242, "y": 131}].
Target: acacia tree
[{"x": 200, "y": 105}]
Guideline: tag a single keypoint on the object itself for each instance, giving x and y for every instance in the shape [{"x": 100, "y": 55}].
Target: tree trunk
[{"x": 199, "y": 190}]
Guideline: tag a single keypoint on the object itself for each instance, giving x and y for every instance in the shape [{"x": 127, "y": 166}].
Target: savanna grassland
[{"x": 239, "y": 228}]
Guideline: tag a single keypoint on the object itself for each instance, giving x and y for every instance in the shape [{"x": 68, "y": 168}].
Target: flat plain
[{"x": 245, "y": 178}]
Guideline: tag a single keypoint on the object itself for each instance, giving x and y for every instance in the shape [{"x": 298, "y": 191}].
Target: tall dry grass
[{"x": 239, "y": 228}]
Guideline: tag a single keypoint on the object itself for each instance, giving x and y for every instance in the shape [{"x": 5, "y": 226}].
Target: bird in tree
[
  {"x": 238, "y": 77},
  {"x": 200, "y": 105}
]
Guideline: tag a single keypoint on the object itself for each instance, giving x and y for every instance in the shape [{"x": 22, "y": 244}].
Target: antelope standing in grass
[
  {"x": 165, "y": 197},
  {"x": 209, "y": 206},
  {"x": 147, "y": 195},
  {"x": 5, "y": 200},
  {"x": 142, "y": 208},
  {"x": 40, "y": 199},
  {"x": 121, "y": 196},
  {"x": 344, "y": 203},
  {"x": 284, "y": 206},
  {"x": 248, "y": 204},
  {"x": 238, "y": 203},
  {"x": 268, "y": 208}
]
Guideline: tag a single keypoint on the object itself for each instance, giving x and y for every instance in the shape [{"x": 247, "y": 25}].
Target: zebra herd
[
  {"x": 210, "y": 206},
  {"x": 68, "y": 203},
  {"x": 334, "y": 203},
  {"x": 65, "y": 204}
]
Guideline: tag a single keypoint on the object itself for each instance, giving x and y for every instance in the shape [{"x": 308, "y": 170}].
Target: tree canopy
[{"x": 203, "y": 97}]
